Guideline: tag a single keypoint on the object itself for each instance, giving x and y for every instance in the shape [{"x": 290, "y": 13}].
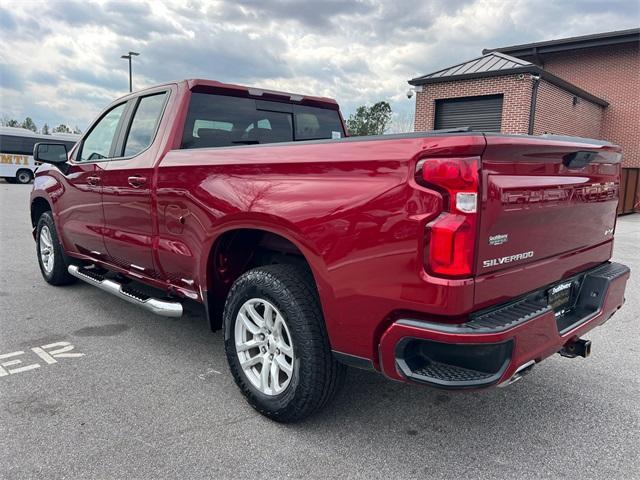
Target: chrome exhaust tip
[{"x": 519, "y": 373}]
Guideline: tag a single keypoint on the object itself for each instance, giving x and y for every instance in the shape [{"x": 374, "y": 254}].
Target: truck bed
[{"x": 354, "y": 209}]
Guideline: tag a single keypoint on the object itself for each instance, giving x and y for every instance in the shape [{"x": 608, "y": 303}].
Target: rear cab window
[{"x": 222, "y": 121}]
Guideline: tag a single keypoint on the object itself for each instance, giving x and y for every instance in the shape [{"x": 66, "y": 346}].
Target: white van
[{"x": 16, "y": 151}]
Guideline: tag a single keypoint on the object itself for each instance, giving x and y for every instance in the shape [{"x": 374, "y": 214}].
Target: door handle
[
  {"x": 93, "y": 181},
  {"x": 136, "y": 181}
]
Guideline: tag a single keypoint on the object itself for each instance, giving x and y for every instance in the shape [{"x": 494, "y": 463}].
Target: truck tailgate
[{"x": 544, "y": 201}]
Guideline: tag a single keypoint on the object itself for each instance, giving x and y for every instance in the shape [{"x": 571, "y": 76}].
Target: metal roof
[
  {"x": 497, "y": 64},
  {"x": 491, "y": 62},
  {"x": 571, "y": 43}
]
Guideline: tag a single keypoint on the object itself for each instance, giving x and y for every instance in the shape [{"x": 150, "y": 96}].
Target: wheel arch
[
  {"x": 39, "y": 205},
  {"x": 241, "y": 247}
]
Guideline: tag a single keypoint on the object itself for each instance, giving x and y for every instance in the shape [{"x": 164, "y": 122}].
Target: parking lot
[{"x": 151, "y": 397}]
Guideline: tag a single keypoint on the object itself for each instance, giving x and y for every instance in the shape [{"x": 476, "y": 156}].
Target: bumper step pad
[
  {"x": 450, "y": 373},
  {"x": 506, "y": 317},
  {"x": 452, "y": 365}
]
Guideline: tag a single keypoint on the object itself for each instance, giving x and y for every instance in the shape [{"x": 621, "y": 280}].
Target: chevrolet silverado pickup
[{"x": 454, "y": 259}]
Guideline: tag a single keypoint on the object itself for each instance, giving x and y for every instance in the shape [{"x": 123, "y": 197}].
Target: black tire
[
  {"x": 317, "y": 376},
  {"x": 58, "y": 275},
  {"x": 23, "y": 176}
]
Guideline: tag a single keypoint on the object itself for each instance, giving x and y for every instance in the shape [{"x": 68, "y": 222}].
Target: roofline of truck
[
  {"x": 136, "y": 93},
  {"x": 256, "y": 91},
  {"x": 242, "y": 90}
]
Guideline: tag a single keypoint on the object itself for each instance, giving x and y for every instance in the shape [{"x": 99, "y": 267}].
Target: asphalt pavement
[{"x": 121, "y": 393}]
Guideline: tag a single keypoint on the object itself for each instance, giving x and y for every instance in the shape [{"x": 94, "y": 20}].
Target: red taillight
[
  {"x": 450, "y": 245},
  {"x": 451, "y": 173},
  {"x": 450, "y": 242}
]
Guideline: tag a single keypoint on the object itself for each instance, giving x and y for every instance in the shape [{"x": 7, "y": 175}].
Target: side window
[
  {"x": 145, "y": 122},
  {"x": 97, "y": 144},
  {"x": 17, "y": 145}
]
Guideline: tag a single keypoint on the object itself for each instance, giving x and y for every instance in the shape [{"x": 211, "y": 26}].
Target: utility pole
[{"x": 128, "y": 57}]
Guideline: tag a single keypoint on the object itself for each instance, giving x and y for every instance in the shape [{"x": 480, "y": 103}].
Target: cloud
[
  {"x": 310, "y": 14},
  {"x": 44, "y": 77},
  {"x": 7, "y": 22},
  {"x": 133, "y": 19},
  {"x": 60, "y": 60},
  {"x": 9, "y": 78},
  {"x": 225, "y": 55},
  {"x": 108, "y": 79}
]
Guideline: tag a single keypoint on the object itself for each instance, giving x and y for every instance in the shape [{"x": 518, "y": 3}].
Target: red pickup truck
[{"x": 449, "y": 258}]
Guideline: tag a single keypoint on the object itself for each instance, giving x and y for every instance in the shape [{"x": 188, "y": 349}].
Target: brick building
[{"x": 586, "y": 86}]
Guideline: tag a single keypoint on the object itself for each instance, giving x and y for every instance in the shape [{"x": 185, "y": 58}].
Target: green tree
[
  {"x": 371, "y": 120},
  {"x": 10, "y": 122},
  {"x": 77, "y": 130},
  {"x": 29, "y": 124},
  {"x": 45, "y": 129},
  {"x": 62, "y": 128}
]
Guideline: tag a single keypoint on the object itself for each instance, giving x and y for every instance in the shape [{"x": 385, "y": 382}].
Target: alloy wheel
[
  {"x": 264, "y": 346},
  {"x": 46, "y": 249}
]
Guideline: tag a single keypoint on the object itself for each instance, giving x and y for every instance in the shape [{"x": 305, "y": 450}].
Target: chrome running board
[{"x": 153, "y": 305}]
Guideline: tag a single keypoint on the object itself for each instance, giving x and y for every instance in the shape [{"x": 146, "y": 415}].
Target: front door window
[{"x": 97, "y": 145}]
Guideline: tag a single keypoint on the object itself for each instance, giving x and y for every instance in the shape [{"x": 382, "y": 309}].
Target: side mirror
[{"x": 53, "y": 153}]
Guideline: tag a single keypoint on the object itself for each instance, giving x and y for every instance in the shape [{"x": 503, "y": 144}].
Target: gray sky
[{"x": 60, "y": 60}]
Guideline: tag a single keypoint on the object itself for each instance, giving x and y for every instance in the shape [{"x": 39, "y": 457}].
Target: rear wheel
[
  {"x": 51, "y": 257},
  {"x": 23, "y": 177},
  {"x": 276, "y": 343}
]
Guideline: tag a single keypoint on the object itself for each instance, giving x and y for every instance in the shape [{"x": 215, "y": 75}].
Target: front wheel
[
  {"x": 51, "y": 257},
  {"x": 277, "y": 345}
]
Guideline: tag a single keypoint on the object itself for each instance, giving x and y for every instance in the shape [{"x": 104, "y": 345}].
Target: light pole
[{"x": 128, "y": 57}]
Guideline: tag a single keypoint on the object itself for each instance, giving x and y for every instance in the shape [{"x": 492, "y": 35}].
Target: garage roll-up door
[{"x": 482, "y": 114}]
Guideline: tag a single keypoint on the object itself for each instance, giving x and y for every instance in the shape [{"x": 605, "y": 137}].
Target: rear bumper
[{"x": 498, "y": 342}]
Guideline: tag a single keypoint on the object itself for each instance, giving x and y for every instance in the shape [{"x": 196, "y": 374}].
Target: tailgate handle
[{"x": 577, "y": 160}]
